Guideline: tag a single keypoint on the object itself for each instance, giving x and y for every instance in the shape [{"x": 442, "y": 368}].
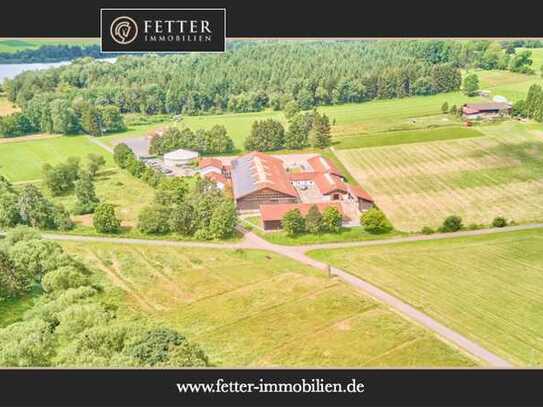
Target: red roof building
[
  {"x": 258, "y": 179},
  {"x": 322, "y": 164}
]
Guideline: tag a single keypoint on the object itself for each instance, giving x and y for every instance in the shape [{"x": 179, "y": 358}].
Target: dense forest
[
  {"x": 254, "y": 75},
  {"x": 51, "y": 53}
]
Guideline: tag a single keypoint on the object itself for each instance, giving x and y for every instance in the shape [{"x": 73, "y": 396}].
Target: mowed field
[
  {"x": 253, "y": 308},
  {"x": 23, "y": 161},
  {"x": 490, "y": 288},
  {"x": 478, "y": 179}
]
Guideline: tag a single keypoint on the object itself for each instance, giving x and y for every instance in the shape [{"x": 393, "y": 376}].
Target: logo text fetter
[{"x": 177, "y": 27}]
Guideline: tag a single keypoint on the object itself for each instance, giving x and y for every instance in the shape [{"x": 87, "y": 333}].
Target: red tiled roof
[
  {"x": 216, "y": 177},
  {"x": 277, "y": 211},
  {"x": 257, "y": 171},
  {"x": 360, "y": 193},
  {"x": 472, "y": 108},
  {"x": 328, "y": 183},
  {"x": 210, "y": 162},
  {"x": 302, "y": 176},
  {"x": 322, "y": 164}
]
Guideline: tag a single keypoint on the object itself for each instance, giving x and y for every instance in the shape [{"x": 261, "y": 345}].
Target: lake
[{"x": 10, "y": 71}]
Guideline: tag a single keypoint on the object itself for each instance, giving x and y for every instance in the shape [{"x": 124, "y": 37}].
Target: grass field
[
  {"x": 127, "y": 193},
  {"x": 20, "y": 44},
  {"x": 23, "y": 161},
  {"x": 488, "y": 287},
  {"x": 478, "y": 178},
  {"x": 513, "y": 86},
  {"x": 253, "y": 308},
  {"x": 408, "y": 137},
  {"x": 350, "y": 119}
]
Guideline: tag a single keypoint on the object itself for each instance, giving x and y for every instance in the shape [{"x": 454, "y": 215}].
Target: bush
[
  {"x": 452, "y": 223},
  {"x": 499, "y": 222},
  {"x": 123, "y": 155},
  {"x": 154, "y": 220},
  {"x": 331, "y": 220},
  {"x": 375, "y": 221},
  {"x": 293, "y": 223},
  {"x": 63, "y": 278},
  {"x": 313, "y": 220},
  {"x": 105, "y": 220},
  {"x": 427, "y": 230}
]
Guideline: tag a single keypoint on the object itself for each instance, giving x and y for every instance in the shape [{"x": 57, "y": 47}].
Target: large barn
[{"x": 259, "y": 179}]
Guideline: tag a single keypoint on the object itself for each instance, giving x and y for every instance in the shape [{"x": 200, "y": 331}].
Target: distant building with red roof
[{"x": 486, "y": 110}]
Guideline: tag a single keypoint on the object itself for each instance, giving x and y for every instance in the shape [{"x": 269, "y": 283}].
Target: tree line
[
  {"x": 212, "y": 141},
  {"x": 58, "y": 115},
  {"x": 70, "y": 323},
  {"x": 251, "y": 76},
  {"x": 52, "y": 53},
  {"x": 532, "y": 106}
]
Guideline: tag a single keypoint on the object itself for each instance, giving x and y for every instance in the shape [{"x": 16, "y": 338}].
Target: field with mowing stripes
[
  {"x": 487, "y": 287},
  {"x": 253, "y": 308},
  {"x": 477, "y": 178}
]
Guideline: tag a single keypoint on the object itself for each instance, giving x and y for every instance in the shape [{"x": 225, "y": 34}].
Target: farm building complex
[
  {"x": 273, "y": 185},
  {"x": 270, "y": 185}
]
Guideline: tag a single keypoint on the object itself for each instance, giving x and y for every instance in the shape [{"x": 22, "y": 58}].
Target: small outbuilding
[{"x": 180, "y": 158}]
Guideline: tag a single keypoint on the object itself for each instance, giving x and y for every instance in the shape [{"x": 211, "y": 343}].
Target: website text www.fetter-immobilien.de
[{"x": 263, "y": 386}]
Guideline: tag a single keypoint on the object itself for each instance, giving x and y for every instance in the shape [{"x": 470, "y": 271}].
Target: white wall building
[{"x": 180, "y": 158}]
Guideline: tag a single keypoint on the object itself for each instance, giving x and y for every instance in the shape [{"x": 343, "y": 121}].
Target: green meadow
[
  {"x": 250, "y": 308},
  {"x": 486, "y": 287},
  {"x": 23, "y": 161}
]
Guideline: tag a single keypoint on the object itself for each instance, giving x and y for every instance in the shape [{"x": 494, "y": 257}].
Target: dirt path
[
  {"x": 100, "y": 144},
  {"x": 298, "y": 253},
  {"x": 417, "y": 238}
]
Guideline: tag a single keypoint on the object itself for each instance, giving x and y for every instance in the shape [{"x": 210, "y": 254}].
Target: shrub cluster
[
  {"x": 202, "y": 211},
  {"x": 305, "y": 129},
  {"x": 374, "y": 221},
  {"x": 454, "y": 223},
  {"x": 329, "y": 221},
  {"x": 30, "y": 207},
  {"x": 69, "y": 324}
]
